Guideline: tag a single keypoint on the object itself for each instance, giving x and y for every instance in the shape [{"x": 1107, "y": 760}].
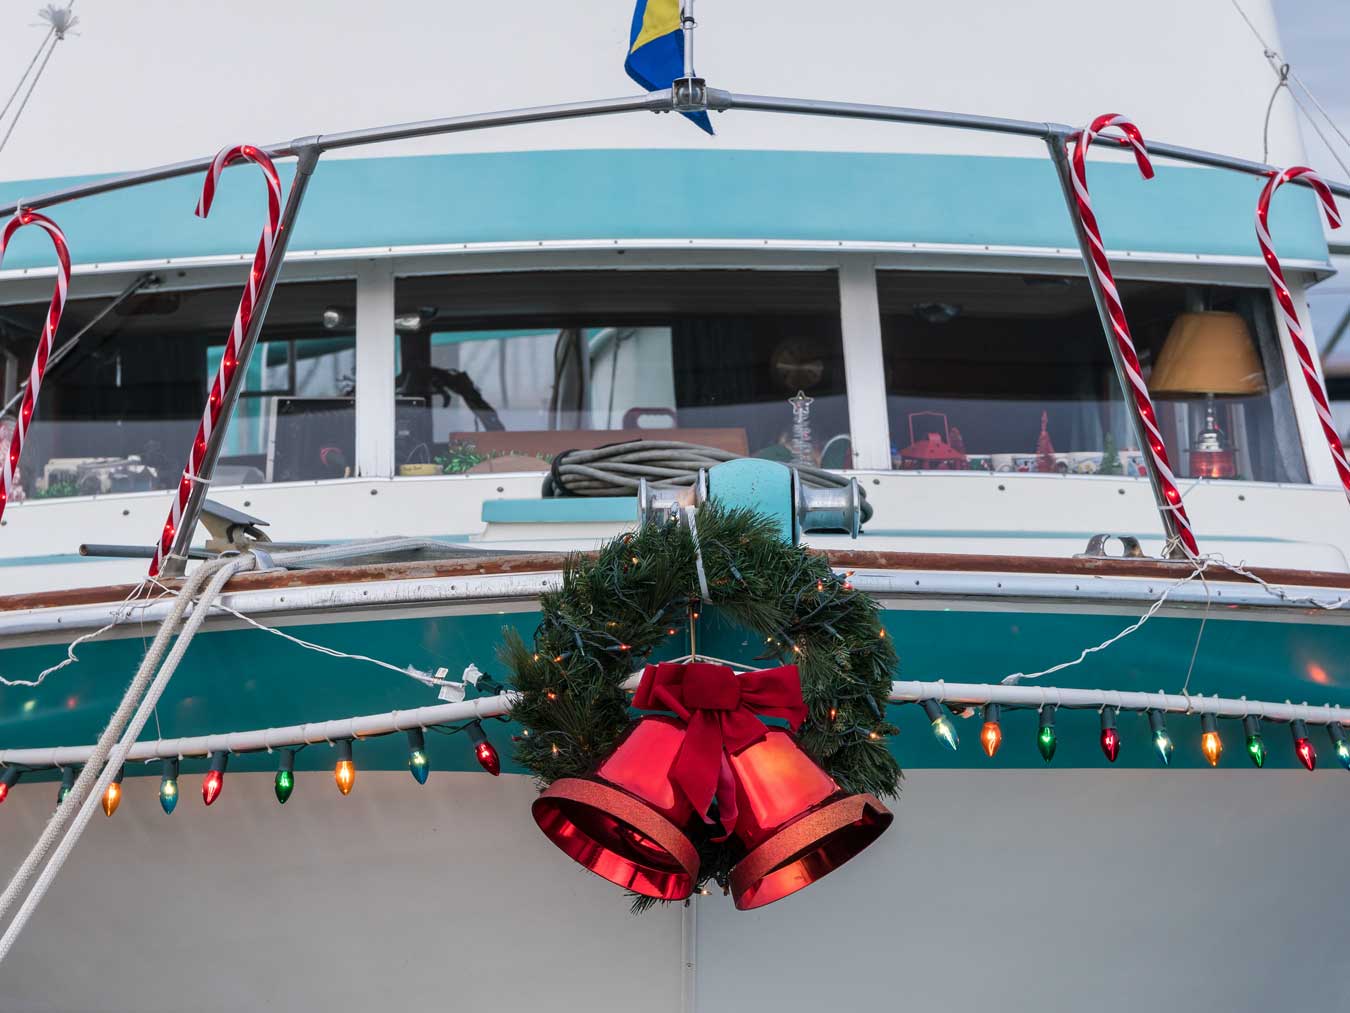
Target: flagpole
[{"x": 688, "y": 24}]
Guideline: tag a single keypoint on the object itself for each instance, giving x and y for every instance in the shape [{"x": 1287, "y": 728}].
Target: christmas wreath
[{"x": 618, "y": 606}]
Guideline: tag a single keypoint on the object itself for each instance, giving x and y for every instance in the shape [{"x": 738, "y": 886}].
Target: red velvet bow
[{"x": 719, "y": 710}]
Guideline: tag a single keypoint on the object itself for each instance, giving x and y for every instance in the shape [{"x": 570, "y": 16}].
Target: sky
[{"x": 1315, "y": 36}]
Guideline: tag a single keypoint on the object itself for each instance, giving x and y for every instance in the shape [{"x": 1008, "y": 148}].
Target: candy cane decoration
[
  {"x": 229, "y": 362},
  {"x": 1286, "y": 301},
  {"x": 1162, "y": 468},
  {"x": 9, "y": 472}
]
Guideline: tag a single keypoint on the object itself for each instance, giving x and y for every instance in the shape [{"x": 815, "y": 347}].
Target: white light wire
[{"x": 332, "y": 652}]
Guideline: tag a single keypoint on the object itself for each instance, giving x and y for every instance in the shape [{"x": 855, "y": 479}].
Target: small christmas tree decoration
[
  {"x": 1110, "y": 457},
  {"x": 1256, "y": 746},
  {"x": 1045, "y": 450},
  {"x": 484, "y": 750},
  {"x": 284, "y": 783},
  {"x": 1110, "y": 738},
  {"x": 67, "y": 783},
  {"x": 991, "y": 735},
  {"x": 1162, "y": 742},
  {"x": 168, "y": 786},
  {"x": 8, "y": 780},
  {"x": 417, "y": 756},
  {"x": 214, "y": 781},
  {"x": 1210, "y": 743},
  {"x": 1339, "y": 744},
  {"x": 1303, "y": 747},
  {"x": 345, "y": 771},
  {"x": 1046, "y": 740},
  {"x": 942, "y": 725},
  {"x": 801, "y": 428},
  {"x": 112, "y": 795}
]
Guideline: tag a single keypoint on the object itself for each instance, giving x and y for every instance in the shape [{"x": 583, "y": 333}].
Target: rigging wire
[
  {"x": 1285, "y": 74},
  {"x": 61, "y": 21}
]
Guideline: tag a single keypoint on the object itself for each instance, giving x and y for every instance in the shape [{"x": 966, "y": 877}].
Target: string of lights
[{"x": 937, "y": 699}]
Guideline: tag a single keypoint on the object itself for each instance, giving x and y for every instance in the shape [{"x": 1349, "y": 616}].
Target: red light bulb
[
  {"x": 214, "y": 780},
  {"x": 4, "y": 791},
  {"x": 1110, "y": 743},
  {"x": 1307, "y": 754},
  {"x": 484, "y": 750},
  {"x": 991, "y": 735},
  {"x": 1110, "y": 738},
  {"x": 7, "y": 780}
]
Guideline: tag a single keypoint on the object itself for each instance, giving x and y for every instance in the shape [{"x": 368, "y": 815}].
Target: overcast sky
[{"x": 1316, "y": 39}]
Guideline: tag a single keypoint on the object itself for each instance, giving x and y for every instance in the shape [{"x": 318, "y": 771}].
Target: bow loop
[{"x": 721, "y": 715}]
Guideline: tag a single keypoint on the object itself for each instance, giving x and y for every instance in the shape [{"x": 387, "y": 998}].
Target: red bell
[
  {"x": 625, "y": 821},
  {"x": 796, "y": 823}
]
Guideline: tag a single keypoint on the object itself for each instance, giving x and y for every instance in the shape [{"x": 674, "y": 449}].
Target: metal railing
[{"x": 687, "y": 95}]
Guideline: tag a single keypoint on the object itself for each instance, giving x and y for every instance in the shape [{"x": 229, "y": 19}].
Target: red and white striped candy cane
[
  {"x": 229, "y": 362},
  {"x": 10, "y": 469},
  {"x": 1305, "y": 356},
  {"x": 1143, "y": 403}
]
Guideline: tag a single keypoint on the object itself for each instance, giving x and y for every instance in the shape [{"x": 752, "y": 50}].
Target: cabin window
[
  {"x": 119, "y": 411},
  {"x": 501, "y": 372},
  {"x": 1011, "y": 373}
]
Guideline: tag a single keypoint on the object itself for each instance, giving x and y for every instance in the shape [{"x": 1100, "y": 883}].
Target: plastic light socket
[
  {"x": 1110, "y": 738},
  {"x": 1046, "y": 739},
  {"x": 168, "y": 786},
  {"x": 418, "y": 765},
  {"x": 941, "y": 723},
  {"x": 991, "y": 735},
  {"x": 1303, "y": 747},
  {"x": 1162, "y": 742}
]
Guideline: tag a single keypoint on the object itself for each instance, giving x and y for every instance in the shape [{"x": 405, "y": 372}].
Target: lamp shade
[{"x": 1208, "y": 353}]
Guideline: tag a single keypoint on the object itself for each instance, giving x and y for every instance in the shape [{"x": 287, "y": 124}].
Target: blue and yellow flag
[{"x": 656, "y": 49}]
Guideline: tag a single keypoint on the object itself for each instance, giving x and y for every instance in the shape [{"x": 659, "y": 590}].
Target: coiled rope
[{"x": 615, "y": 470}]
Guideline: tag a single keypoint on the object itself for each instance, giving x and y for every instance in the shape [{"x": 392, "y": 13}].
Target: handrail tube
[{"x": 657, "y": 101}]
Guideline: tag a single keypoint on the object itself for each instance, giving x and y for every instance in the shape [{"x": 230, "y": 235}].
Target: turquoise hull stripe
[
  {"x": 665, "y": 194},
  {"x": 567, "y": 510},
  {"x": 243, "y": 679}
]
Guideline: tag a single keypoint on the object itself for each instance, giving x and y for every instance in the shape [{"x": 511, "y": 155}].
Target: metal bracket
[
  {"x": 1096, "y": 548},
  {"x": 689, "y": 95}
]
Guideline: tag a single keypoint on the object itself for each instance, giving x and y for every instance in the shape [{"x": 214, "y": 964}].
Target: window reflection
[
  {"x": 119, "y": 412},
  {"x": 1011, "y": 373},
  {"x": 503, "y": 372}
]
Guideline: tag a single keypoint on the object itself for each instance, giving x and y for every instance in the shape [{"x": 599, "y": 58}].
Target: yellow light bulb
[
  {"x": 1212, "y": 747},
  {"x": 112, "y": 798},
  {"x": 345, "y": 776}
]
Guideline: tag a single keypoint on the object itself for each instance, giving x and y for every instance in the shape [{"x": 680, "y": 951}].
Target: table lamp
[{"x": 1212, "y": 354}]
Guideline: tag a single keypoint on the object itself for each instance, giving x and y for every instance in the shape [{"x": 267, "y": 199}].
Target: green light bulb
[
  {"x": 1343, "y": 753},
  {"x": 1046, "y": 739},
  {"x": 418, "y": 766},
  {"x": 1256, "y": 749},
  {"x": 1046, "y": 742},
  {"x": 1162, "y": 742},
  {"x": 168, "y": 794},
  {"x": 946, "y": 732},
  {"x": 284, "y": 785}
]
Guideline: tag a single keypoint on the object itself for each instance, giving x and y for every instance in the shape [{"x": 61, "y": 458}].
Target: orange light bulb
[
  {"x": 991, "y": 737},
  {"x": 112, "y": 798},
  {"x": 1212, "y": 747},
  {"x": 345, "y": 775}
]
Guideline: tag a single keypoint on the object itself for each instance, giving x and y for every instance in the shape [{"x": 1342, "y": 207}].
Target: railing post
[
  {"x": 307, "y": 153},
  {"x": 1056, "y": 139}
]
